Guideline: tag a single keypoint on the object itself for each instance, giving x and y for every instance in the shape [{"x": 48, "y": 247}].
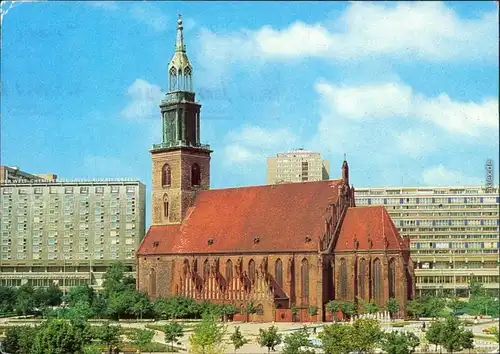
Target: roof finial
[
  {"x": 345, "y": 157},
  {"x": 179, "y": 44}
]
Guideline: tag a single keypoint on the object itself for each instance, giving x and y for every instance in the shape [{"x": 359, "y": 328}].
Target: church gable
[{"x": 368, "y": 228}]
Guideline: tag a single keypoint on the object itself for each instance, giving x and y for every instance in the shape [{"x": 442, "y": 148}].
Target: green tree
[
  {"x": 371, "y": 307},
  {"x": 467, "y": 340},
  {"x": 207, "y": 337},
  {"x": 10, "y": 344},
  {"x": 366, "y": 334},
  {"x": 455, "y": 304},
  {"x": 298, "y": 342},
  {"x": 50, "y": 296},
  {"x": 434, "y": 333},
  {"x": 336, "y": 338},
  {"x": 173, "y": 331},
  {"x": 453, "y": 334},
  {"x": 81, "y": 311},
  {"x": 160, "y": 308},
  {"x": 80, "y": 293},
  {"x": 120, "y": 303},
  {"x": 25, "y": 300},
  {"x": 348, "y": 308},
  {"x": 57, "y": 336},
  {"x": 250, "y": 309},
  {"x": 108, "y": 335},
  {"x": 115, "y": 280},
  {"x": 414, "y": 308},
  {"x": 392, "y": 306},
  {"x": 228, "y": 310},
  {"x": 399, "y": 343},
  {"x": 141, "y": 304},
  {"x": 237, "y": 339},
  {"x": 269, "y": 338},
  {"x": 476, "y": 288},
  {"x": 91, "y": 349},
  {"x": 142, "y": 338},
  {"x": 332, "y": 307},
  {"x": 19, "y": 339},
  {"x": 7, "y": 299}
]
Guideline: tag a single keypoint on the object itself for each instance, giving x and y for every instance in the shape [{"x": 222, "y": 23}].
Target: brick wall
[{"x": 180, "y": 193}]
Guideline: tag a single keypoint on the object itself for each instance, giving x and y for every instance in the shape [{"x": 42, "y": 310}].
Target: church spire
[
  {"x": 179, "y": 43},
  {"x": 180, "y": 71}
]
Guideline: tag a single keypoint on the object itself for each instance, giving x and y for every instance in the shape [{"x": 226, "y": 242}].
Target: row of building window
[
  {"x": 441, "y": 245},
  {"x": 453, "y": 222},
  {"x": 70, "y": 190},
  {"x": 429, "y": 191},
  {"x": 450, "y": 200}
]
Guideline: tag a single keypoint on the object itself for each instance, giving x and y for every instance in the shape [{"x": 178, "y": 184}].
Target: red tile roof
[
  {"x": 280, "y": 216},
  {"x": 364, "y": 223}
]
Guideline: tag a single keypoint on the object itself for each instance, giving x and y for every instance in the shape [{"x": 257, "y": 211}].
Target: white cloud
[
  {"x": 428, "y": 31},
  {"x": 144, "y": 100},
  {"x": 150, "y": 16},
  {"x": 441, "y": 176},
  {"x": 252, "y": 143},
  {"x": 368, "y": 101},
  {"x": 397, "y": 100}
]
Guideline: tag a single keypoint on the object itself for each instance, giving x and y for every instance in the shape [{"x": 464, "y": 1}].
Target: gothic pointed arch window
[
  {"x": 195, "y": 266},
  {"x": 166, "y": 175},
  {"x": 392, "y": 278},
  {"x": 180, "y": 78},
  {"x": 195, "y": 175},
  {"x": 165, "y": 206},
  {"x": 304, "y": 281},
  {"x": 188, "y": 83},
  {"x": 361, "y": 279},
  {"x": 343, "y": 278},
  {"x": 229, "y": 270},
  {"x": 172, "y": 79},
  {"x": 152, "y": 283},
  {"x": 185, "y": 268},
  {"x": 377, "y": 280},
  {"x": 279, "y": 272},
  {"x": 206, "y": 270},
  {"x": 251, "y": 270}
]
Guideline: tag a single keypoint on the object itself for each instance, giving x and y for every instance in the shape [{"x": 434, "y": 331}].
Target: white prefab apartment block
[
  {"x": 68, "y": 233},
  {"x": 297, "y": 166}
]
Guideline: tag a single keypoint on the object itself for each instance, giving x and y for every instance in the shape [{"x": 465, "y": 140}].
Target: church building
[{"x": 296, "y": 245}]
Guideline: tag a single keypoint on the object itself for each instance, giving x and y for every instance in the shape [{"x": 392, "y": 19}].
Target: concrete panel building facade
[
  {"x": 297, "y": 166},
  {"x": 68, "y": 233}
]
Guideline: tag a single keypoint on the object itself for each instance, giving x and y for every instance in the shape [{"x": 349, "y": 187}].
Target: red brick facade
[{"x": 347, "y": 252}]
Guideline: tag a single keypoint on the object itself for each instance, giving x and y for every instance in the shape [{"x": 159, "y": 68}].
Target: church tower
[{"x": 181, "y": 164}]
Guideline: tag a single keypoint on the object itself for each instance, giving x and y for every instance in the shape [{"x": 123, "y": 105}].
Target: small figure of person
[
  {"x": 314, "y": 330},
  {"x": 423, "y": 325}
]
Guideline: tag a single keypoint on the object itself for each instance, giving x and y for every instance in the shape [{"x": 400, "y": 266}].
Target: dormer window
[
  {"x": 256, "y": 240},
  {"x": 156, "y": 244},
  {"x": 308, "y": 239},
  {"x": 211, "y": 241}
]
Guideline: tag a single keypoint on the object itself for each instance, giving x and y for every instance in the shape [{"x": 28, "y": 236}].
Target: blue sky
[{"x": 409, "y": 91}]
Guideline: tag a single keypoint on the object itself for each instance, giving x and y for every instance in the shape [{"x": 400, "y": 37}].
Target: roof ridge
[{"x": 273, "y": 186}]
